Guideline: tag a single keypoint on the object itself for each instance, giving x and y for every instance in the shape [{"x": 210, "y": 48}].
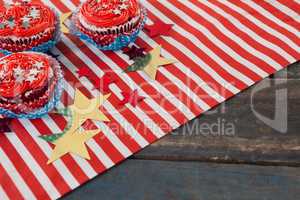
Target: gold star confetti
[
  {"x": 86, "y": 108},
  {"x": 63, "y": 18},
  {"x": 155, "y": 62}
]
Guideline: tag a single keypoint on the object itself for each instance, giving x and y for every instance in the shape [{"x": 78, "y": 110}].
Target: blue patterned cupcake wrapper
[
  {"x": 55, "y": 99},
  {"x": 119, "y": 43},
  {"x": 46, "y": 46}
]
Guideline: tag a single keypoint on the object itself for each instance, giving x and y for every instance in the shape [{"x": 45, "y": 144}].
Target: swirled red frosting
[
  {"x": 108, "y": 13},
  {"x": 25, "y": 19},
  {"x": 21, "y": 72}
]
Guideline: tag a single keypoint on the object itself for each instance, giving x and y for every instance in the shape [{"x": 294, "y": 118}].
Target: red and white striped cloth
[{"x": 223, "y": 47}]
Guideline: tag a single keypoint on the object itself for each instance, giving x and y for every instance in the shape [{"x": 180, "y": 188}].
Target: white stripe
[
  {"x": 3, "y": 195},
  {"x": 141, "y": 115},
  {"x": 34, "y": 166},
  {"x": 46, "y": 148},
  {"x": 94, "y": 146},
  {"x": 251, "y": 33},
  {"x": 235, "y": 38},
  {"x": 91, "y": 64},
  {"x": 116, "y": 115},
  {"x": 269, "y": 29},
  {"x": 209, "y": 52},
  {"x": 220, "y": 43},
  {"x": 114, "y": 139},
  {"x": 83, "y": 164},
  {"x": 164, "y": 113},
  {"x": 273, "y": 18},
  {"x": 286, "y": 10},
  {"x": 15, "y": 176},
  {"x": 196, "y": 41}
]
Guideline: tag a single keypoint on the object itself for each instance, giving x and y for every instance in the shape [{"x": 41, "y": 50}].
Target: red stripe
[
  {"x": 127, "y": 114},
  {"x": 22, "y": 167},
  {"x": 8, "y": 185},
  {"x": 152, "y": 92},
  {"x": 230, "y": 42},
  {"x": 185, "y": 59},
  {"x": 40, "y": 157},
  {"x": 272, "y": 38},
  {"x": 291, "y": 5},
  {"x": 271, "y": 53},
  {"x": 70, "y": 163},
  {"x": 207, "y": 59}
]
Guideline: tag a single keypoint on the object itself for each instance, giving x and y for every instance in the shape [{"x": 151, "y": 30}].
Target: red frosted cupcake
[
  {"x": 105, "y": 20},
  {"x": 24, "y": 25},
  {"x": 27, "y": 81}
]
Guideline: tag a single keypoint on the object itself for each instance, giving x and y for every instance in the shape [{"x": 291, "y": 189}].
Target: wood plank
[
  {"x": 251, "y": 141},
  {"x": 160, "y": 180}
]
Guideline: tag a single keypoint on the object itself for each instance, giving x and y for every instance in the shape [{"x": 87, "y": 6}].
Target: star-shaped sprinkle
[
  {"x": 134, "y": 52},
  {"x": 159, "y": 28},
  {"x": 18, "y": 71},
  {"x": 34, "y": 13},
  {"x": 132, "y": 98},
  {"x": 31, "y": 78},
  {"x": 11, "y": 22},
  {"x": 25, "y": 25},
  {"x": 2, "y": 74},
  {"x": 156, "y": 61},
  {"x": 83, "y": 71},
  {"x": 123, "y": 7},
  {"x": 2, "y": 25},
  {"x": 20, "y": 79},
  {"x": 104, "y": 82},
  {"x": 117, "y": 11},
  {"x": 38, "y": 65},
  {"x": 73, "y": 141},
  {"x": 33, "y": 72},
  {"x": 86, "y": 108}
]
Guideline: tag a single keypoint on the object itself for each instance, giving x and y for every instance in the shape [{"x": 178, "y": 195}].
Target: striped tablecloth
[{"x": 222, "y": 47}]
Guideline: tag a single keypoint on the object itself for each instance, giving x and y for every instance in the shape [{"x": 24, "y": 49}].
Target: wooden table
[{"x": 246, "y": 160}]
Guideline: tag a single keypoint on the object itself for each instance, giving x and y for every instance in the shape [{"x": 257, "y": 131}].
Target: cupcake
[
  {"x": 107, "y": 21},
  {"x": 26, "y": 25},
  {"x": 28, "y": 81}
]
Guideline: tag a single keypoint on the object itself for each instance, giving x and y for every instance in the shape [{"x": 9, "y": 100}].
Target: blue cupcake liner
[
  {"x": 46, "y": 46},
  {"x": 55, "y": 99},
  {"x": 120, "y": 42}
]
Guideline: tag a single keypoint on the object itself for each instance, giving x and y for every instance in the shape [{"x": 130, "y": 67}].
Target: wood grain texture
[
  {"x": 252, "y": 141},
  {"x": 159, "y": 180}
]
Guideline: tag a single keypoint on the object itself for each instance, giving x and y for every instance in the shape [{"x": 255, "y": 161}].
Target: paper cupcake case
[
  {"x": 46, "y": 46},
  {"x": 53, "y": 102},
  {"x": 120, "y": 42}
]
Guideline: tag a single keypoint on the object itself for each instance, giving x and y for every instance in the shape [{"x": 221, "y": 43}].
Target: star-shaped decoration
[
  {"x": 11, "y": 22},
  {"x": 33, "y": 72},
  {"x": 156, "y": 61},
  {"x": 134, "y": 52},
  {"x": 2, "y": 74},
  {"x": 73, "y": 141},
  {"x": 104, "y": 82},
  {"x": 2, "y": 25},
  {"x": 123, "y": 6},
  {"x": 18, "y": 71},
  {"x": 86, "y": 108},
  {"x": 63, "y": 18},
  {"x": 20, "y": 79},
  {"x": 117, "y": 11},
  {"x": 34, "y": 13},
  {"x": 25, "y": 25},
  {"x": 31, "y": 78},
  {"x": 38, "y": 65},
  {"x": 159, "y": 28},
  {"x": 132, "y": 98},
  {"x": 83, "y": 71}
]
